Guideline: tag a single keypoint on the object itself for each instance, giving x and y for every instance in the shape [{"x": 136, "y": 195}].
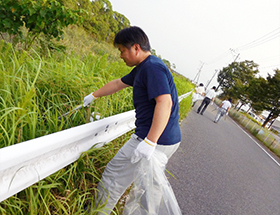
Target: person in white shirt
[
  {"x": 210, "y": 95},
  {"x": 200, "y": 89},
  {"x": 224, "y": 108},
  {"x": 199, "y": 94}
]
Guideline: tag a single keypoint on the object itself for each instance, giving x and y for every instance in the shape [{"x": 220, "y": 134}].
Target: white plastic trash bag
[
  {"x": 151, "y": 193},
  {"x": 196, "y": 97}
]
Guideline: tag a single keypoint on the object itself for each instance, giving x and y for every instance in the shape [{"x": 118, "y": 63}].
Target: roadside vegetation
[
  {"x": 241, "y": 82},
  {"x": 42, "y": 79},
  {"x": 35, "y": 92},
  {"x": 52, "y": 54},
  {"x": 266, "y": 136}
]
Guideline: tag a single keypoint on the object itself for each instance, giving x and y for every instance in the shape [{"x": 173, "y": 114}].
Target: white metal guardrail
[
  {"x": 26, "y": 163},
  {"x": 184, "y": 96}
]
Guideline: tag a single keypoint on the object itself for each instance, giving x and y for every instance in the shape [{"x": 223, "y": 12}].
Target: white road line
[{"x": 256, "y": 142}]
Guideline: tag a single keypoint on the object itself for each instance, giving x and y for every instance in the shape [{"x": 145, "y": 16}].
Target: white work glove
[
  {"x": 212, "y": 103},
  {"x": 145, "y": 149},
  {"x": 88, "y": 99},
  {"x": 226, "y": 113}
]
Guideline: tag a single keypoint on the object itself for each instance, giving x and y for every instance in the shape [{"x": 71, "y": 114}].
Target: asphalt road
[{"x": 220, "y": 170}]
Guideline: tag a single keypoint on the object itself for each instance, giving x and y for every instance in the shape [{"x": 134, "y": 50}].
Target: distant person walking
[
  {"x": 224, "y": 108},
  {"x": 210, "y": 96},
  {"x": 199, "y": 93}
]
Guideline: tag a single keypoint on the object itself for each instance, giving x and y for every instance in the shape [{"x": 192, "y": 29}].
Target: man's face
[{"x": 128, "y": 55}]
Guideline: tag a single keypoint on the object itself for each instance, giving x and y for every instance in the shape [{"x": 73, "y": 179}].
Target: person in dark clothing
[{"x": 209, "y": 96}]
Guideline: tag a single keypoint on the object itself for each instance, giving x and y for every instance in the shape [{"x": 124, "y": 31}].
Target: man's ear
[{"x": 137, "y": 47}]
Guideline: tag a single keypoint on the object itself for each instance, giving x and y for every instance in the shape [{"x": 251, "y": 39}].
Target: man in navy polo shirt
[{"x": 157, "y": 119}]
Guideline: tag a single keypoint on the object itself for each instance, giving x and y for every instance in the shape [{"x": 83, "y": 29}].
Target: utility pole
[
  {"x": 236, "y": 57},
  {"x": 198, "y": 74},
  {"x": 211, "y": 79},
  {"x": 232, "y": 50}
]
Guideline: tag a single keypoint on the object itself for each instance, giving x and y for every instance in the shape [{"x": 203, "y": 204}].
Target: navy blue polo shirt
[{"x": 151, "y": 78}]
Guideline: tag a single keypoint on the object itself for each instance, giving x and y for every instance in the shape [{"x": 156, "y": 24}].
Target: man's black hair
[{"x": 132, "y": 35}]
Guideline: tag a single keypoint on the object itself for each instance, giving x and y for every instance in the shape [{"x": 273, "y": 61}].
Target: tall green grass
[
  {"x": 35, "y": 91},
  {"x": 267, "y": 137},
  {"x": 183, "y": 86}
]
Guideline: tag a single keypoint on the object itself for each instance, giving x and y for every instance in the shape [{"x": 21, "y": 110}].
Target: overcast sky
[{"x": 209, "y": 35}]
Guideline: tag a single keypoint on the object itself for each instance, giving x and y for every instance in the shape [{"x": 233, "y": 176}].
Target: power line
[
  {"x": 260, "y": 42},
  {"x": 266, "y": 38},
  {"x": 218, "y": 58}
]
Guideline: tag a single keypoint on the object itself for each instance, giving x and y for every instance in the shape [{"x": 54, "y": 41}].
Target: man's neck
[{"x": 143, "y": 56}]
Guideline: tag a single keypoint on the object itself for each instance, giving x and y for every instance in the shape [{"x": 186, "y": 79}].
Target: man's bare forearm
[{"x": 110, "y": 88}]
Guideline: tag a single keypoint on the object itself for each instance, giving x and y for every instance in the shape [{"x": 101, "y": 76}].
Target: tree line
[
  {"x": 99, "y": 19},
  {"x": 26, "y": 21},
  {"x": 241, "y": 81}
]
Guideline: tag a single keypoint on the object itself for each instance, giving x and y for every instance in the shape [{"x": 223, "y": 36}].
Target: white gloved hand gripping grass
[
  {"x": 145, "y": 149},
  {"x": 88, "y": 99}
]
